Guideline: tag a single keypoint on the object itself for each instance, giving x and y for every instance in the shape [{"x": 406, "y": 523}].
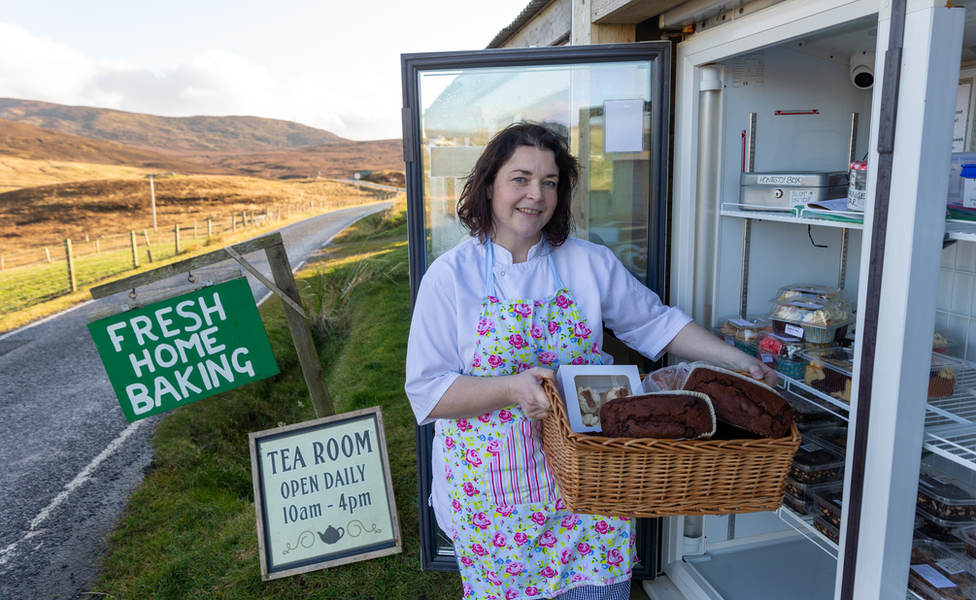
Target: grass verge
[{"x": 189, "y": 530}]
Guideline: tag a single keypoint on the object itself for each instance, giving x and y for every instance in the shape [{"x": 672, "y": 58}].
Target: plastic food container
[
  {"x": 813, "y": 463},
  {"x": 942, "y": 375},
  {"x": 832, "y": 438},
  {"x": 815, "y": 321},
  {"x": 829, "y": 500},
  {"x": 800, "y": 507},
  {"x": 968, "y": 536},
  {"x": 942, "y": 341},
  {"x": 807, "y": 413},
  {"x": 829, "y": 371},
  {"x": 944, "y": 496},
  {"x": 803, "y": 492},
  {"x": 832, "y": 533},
  {"x": 742, "y": 333},
  {"x": 940, "y": 529},
  {"x": 961, "y": 202},
  {"x": 938, "y": 573},
  {"x": 784, "y": 351},
  {"x": 809, "y": 291}
]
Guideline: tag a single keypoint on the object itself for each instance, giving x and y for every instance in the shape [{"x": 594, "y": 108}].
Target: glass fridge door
[{"x": 611, "y": 103}]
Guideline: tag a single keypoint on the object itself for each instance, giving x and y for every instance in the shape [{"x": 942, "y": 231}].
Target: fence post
[
  {"x": 233, "y": 224},
  {"x": 176, "y": 235},
  {"x": 148, "y": 245},
  {"x": 135, "y": 253},
  {"x": 98, "y": 246},
  {"x": 47, "y": 252},
  {"x": 71, "y": 266},
  {"x": 194, "y": 230},
  {"x": 209, "y": 228}
]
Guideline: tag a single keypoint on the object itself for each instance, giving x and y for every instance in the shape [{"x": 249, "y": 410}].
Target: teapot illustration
[{"x": 331, "y": 535}]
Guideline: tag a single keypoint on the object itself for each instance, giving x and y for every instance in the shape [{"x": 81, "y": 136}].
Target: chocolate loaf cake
[
  {"x": 741, "y": 401},
  {"x": 662, "y": 415}
]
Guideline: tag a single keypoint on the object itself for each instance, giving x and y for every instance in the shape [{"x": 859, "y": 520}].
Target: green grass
[{"x": 189, "y": 530}]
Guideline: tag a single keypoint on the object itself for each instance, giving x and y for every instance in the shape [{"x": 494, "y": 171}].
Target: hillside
[
  {"x": 175, "y": 135},
  {"x": 338, "y": 160},
  {"x": 26, "y": 142}
]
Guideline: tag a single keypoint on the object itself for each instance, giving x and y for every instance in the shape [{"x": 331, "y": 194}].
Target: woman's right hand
[{"x": 526, "y": 389}]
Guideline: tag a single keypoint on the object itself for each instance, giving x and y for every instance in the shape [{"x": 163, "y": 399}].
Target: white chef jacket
[{"x": 445, "y": 319}]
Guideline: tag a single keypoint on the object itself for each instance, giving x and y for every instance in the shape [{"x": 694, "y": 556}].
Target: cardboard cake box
[{"x": 598, "y": 379}]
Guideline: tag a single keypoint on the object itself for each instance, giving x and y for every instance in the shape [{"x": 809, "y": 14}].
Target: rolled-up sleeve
[{"x": 433, "y": 360}]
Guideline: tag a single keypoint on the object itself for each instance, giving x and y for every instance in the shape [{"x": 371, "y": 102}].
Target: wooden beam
[
  {"x": 552, "y": 26},
  {"x": 184, "y": 266},
  {"x": 629, "y": 11}
]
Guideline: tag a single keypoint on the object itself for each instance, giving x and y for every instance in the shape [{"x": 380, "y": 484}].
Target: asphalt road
[{"x": 68, "y": 457}]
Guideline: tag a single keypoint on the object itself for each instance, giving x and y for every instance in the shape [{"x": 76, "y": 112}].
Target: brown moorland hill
[
  {"x": 21, "y": 141},
  {"x": 177, "y": 135},
  {"x": 47, "y": 215},
  {"x": 339, "y": 160}
]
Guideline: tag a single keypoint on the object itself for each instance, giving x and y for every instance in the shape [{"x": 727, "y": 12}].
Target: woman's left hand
[{"x": 758, "y": 369}]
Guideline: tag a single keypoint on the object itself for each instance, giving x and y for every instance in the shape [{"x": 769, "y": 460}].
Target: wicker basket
[{"x": 635, "y": 477}]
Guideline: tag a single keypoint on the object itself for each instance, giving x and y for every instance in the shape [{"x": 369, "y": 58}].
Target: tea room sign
[
  {"x": 183, "y": 349},
  {"x": 323, "y": 494}
]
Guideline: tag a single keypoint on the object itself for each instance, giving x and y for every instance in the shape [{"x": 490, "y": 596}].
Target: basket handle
[{"x": 555, "y": 399}]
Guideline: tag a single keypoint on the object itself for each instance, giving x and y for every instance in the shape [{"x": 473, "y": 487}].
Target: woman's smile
[{"x": 523, "y": 199}]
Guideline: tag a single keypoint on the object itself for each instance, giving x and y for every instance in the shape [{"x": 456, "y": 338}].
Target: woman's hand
[
  {"x": 758, "y": 369},
  {"x": 526, "y": 389}
]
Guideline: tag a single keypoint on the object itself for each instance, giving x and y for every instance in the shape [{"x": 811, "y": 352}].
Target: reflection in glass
[{"x": 463, "y": 109}]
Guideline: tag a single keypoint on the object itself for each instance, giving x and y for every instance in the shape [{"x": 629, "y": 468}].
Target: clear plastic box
[
  {"x": 944, "y": 496},
  {"x": 809, "y": 291},
  {"x": 816, "y": 321},
  {"x": 829, "y": 371},
  {"x": 968, "y": 536},
  {"x": 784, "y": 351},
  {"x": 742, "y": 333},
  {"x": 832, "y": 533},
  {"x": 814, "y": 463},
  {"x": 800, "y": 507},
  {"x": 832, "y": 438},
  {"x": 940, "y": 529},
  {"x": 829, "y": 500},
  {"x": 808, "y": 414},
  {"x": 802, "y": 492},
  {"x": 938, "y": 573}
]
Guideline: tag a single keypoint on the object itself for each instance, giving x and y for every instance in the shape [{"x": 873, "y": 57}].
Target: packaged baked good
[
  {"x": 833, "y": 438},
  {"x": 938, "y": 573},
  {"x": 824, "y": 527},
  {"x": 809, "y": 291},
  {"x": 829, "y": 500},
  {"x": 802, "y": 492},
  {"x": 940, "y": 529},
  {"x": 829, "y": 370},
  {"x": 944, "y": 496},
  {"x": 813, "y": 463},
  {"x": 816, "y": 321},
  {"x": 741, "y": 401},
  {"x": 743, "y": 333},
  {"x": 783, "y": 352},
  {"x": 968, "y": 536},
  {"x": 678, "y": 415},
  {"x": 942, "y": 341},
  {"x": 800, "y": 507},
  {"x": 808, "y": 412}
]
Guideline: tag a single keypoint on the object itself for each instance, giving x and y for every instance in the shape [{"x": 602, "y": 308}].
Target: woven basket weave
[{"x": 638, "y": 477}]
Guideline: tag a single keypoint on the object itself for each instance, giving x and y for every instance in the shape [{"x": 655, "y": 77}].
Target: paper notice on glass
[
  {"x": 623, "y": 122},
  {"x": 961, "y": 126}
]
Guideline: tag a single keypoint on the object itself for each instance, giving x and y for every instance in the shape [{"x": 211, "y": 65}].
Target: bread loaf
[{"x": 662, "y": 415}]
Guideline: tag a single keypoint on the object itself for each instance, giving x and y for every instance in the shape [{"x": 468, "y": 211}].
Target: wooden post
[
  {"x": 152, "y": 198},
  {"x": 233, "y": 224},
  {"x": 209, "y": 228},
  {"x": 301, "y": 335},
  {"x": 176, "y": 236},
  {"x": 148, "y": 245},
  {"x": 71, "y": 266},
  {"x": 194, "y": 230},
  {"x": 98, "y": 246},
  {"x": 135, "y": 252},
  {"x": 47, "y": 253}
]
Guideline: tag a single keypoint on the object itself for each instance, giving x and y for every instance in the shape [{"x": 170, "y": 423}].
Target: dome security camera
[{"x": 862, "y": 70}]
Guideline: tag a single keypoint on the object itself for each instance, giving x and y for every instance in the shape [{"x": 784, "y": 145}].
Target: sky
[{"x": 328, "y": 64}]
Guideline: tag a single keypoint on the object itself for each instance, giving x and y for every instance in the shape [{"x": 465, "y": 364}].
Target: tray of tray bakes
[
  {"x": 945, "y": 496},
  {"x": 808, "y": 412},
  {"x": 742, "y": 333},
  {"x": 809, "y": 291},
  {"x": 655, "y": 476},
  {"x": 813, "y": 463},
  {"x": 815, "y": 321},
  {"x": 938, "y": 573}
]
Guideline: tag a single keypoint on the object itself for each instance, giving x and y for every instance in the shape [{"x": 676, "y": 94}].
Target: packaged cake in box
[
  {"x": 809, "y": 414},
  {"x": 816, "y": 321},
  {"x": 800, "y": 507},
  {"x": 832, "y": 533},
  {"x": 809, "y": 291},
  {"x": 942, "y": 341},
  {"x": 944, "y": 496},
  {"x": 942, "y": 375},
  {"x": 968, "y": 536},
  {"x": 803, "y": 492},
  {"x": 832, "y": 438},
  {"x": 742, "y": 333},
  {"x": 782, "y": 352},
  {"x": 940, "y": 529},
  {"x": 813, "y": 463},
  {"x": 938, "y": 573},
  {"x": 829, "y": 501},
  {"x": 829, "y": 370}
]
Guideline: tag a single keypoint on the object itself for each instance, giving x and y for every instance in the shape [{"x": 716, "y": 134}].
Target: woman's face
[{"x": 523, "y": 198}]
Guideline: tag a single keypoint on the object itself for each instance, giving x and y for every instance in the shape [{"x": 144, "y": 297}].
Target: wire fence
[{"x": 33, "y": 276}]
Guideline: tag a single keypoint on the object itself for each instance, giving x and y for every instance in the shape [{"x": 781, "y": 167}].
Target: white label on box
[
  {"x": 741, "y": 322},
  {"x": 809, "y": 305},
  {"x": 794, "y": 330},
  {"x": 809, "y": 447},
  {"x": 926, "y": 483},
  {"x": 730, "y": 340},
  {"x": 951, "y": 565},
  {"x": 766, "y": 358},
  {"x": 802, "y": 196},
  {"x": 932, "y": 576},
  {"x": 783, "y": 338},
  {"x": 839, "y": 503},
  {"x": 969, "y": 192}
]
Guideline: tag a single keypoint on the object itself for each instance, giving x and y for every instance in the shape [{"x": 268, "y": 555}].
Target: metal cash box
[{"x": 786, "y": 189}]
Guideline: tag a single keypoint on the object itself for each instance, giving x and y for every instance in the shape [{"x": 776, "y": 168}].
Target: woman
[{"x": 493, "y": 318}]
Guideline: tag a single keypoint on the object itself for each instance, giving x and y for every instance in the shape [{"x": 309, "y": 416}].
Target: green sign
[{"x": 183, "y": 349}]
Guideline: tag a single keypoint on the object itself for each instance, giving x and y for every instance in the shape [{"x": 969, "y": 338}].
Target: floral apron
[{"x": 513, "y": 535}]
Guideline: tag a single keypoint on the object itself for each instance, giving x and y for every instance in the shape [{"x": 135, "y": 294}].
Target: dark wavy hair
[{"x": 474, "y": 205}]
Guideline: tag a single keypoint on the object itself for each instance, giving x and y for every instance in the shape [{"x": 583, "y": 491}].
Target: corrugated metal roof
[{"x": 527, "y": 14}]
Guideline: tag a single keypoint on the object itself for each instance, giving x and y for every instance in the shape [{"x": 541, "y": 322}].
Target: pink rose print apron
[{"x": 513, "y": 535}]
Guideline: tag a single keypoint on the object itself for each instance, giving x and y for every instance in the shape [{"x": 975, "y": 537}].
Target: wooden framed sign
[
  {"x": 183, "y": 349},
  {"x": 323, "y": 494}
]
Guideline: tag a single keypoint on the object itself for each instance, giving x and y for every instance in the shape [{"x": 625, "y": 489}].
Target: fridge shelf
[
  {"x": 804, "y": 525},
  {"x": 807, "y": 217},
  {"x": 964, "y": 231}
]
